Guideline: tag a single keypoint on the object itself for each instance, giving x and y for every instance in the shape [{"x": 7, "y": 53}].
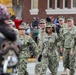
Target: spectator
[
  {"x": 17, "y": 22},
  {"x": 56, "y": 21}
]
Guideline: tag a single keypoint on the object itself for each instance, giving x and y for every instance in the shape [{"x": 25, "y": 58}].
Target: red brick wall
[
  {"x": 26, "y": 8},
  {"x": 53, "y": 4},
  {"x": 42, "y": 14},
  {"x": 61, "y": 4},
  {"x": 69, "y": 3},
  {"x": 42, "y": 7}
]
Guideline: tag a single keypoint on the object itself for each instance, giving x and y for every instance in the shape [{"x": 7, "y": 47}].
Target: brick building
[{"x": 45, "y": 8}]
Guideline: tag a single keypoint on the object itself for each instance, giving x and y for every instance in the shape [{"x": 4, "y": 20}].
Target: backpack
[{"x": 9, "y": 53}]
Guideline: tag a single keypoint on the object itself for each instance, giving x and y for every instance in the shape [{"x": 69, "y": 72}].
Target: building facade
[{"x": 47, "y": 8}]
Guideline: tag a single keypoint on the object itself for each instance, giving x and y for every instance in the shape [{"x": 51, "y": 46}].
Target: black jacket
[{"x": 7, "y": 32}]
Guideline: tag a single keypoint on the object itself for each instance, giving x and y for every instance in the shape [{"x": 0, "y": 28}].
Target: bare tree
[{"x": 18, "y": 7}]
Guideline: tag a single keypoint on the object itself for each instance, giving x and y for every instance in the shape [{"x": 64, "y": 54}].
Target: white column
[
  {"x": 31, "y": 4},
  {"x": 72, "y": 4},
  {"x": 47, "y": 4}
]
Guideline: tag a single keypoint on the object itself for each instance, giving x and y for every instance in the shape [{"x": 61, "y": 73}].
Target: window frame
[
  {"x": 33, "y": 11},
  {"x": 65, "y": 4},
  {"x": 49, "y": 5},
  {"x": 57, "y": 4},
  {"x": 60, "y": 11},
  {"x": 73, "y": 4},
  {"x": 32, "y": 4}
]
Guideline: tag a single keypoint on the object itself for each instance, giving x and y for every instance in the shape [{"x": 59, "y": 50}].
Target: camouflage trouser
[
  {"x": 69, "y": 60},
  {"x": 58, "y": 49},
  {"x": 50, "y": 61},
  {"x": 37, "y": 68},
  {"x": 22, "y": 67},
  {"x": 60, "y": 53}
]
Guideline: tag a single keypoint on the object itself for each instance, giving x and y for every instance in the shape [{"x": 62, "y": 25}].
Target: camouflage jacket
[
  {"x": 60, "y": 35},
  {"x": 27, "y": 41},
  {"x": 40, "y": 39},
  {"x": 50, "y": 42},
  {"x": 68, "y": 37}
]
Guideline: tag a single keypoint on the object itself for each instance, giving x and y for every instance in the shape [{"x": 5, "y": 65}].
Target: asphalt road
[{"x": 31, "y": 66}]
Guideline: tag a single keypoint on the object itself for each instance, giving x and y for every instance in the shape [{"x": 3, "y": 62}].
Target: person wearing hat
[
  {"x": 50, "y": 57},
  {"x": 61, "y": 25},
  {"x": 42, "y": 23},
  {"x": 25, "y": 53},
  {"x": 69, "y": 53},
  {"x": 12, "y": 26},
  {"x": 41, "y": 34}
]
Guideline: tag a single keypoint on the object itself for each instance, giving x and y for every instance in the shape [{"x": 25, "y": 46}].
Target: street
[{"x": 31, "y": 67}]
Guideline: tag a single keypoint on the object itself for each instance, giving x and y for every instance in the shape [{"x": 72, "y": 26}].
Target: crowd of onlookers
[{"x": 34, "y": 23}]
